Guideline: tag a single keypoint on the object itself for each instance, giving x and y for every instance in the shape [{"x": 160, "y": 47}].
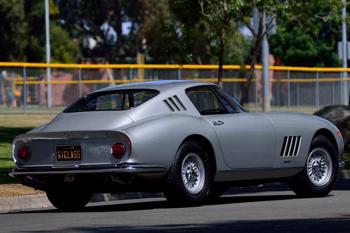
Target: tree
[
  {"x": 156, "y": 34},
  {"x": 63, "y": 48},
  {"x": 271, "y": 8},
  {"x": 311, "y": 43},
  {"x": 199, "y": 39},
  {"x": 193, "y": 36},
  {"x": 97, "y": 26},
  {"x": 12, "y": 30},
  {"x": 220, "y": 15}
]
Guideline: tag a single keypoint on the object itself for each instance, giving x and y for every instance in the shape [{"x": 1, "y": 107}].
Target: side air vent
[
  {"x": 169, "y": 106},
  {"x": 291, "y": 146},
  {"x": 174, "y": 104},
  {"x": 179, "y": 102}
]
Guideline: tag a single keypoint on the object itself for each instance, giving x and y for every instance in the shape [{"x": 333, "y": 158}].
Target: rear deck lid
[{"x": 84, "y": 121}]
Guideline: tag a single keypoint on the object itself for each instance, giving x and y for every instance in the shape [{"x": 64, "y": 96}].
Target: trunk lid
[{"x": 88, "y": 121}]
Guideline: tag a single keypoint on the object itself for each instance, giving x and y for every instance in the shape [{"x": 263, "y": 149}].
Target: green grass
[
  {"x": 12, "y": 124},
  {"x": 6, "y": 164}
]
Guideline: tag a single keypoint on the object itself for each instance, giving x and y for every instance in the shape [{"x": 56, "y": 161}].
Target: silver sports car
[{"x": 187, "y": 139}]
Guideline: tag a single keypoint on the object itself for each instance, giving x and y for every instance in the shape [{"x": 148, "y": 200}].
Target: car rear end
[
  {"x": 70, "y": 151},
  {"x": 84, "y": 143},
  {"x": 98, "y": 160}
]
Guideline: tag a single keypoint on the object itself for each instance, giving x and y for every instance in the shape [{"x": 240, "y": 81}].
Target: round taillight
[
  {"x": 118, "y": 150},
  {"x": 24, "y": 153}
]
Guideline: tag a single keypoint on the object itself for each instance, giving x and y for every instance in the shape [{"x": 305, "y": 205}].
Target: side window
[
  {"x": 234, "y": 105},
  {"x": 230, "y": 108},
  {"x": 206, "y": 101}
]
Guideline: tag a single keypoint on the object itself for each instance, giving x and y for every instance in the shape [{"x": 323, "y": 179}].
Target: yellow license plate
[{"x": 68, "y": 153}]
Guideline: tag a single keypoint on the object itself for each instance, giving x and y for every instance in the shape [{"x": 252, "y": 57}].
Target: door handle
[{"x": 216, "y": 123}]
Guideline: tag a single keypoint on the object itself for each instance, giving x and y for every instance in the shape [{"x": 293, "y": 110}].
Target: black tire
[
  {"x": 68, "y": 199},
  {"x": 303, "y": 185},
  {"x": 176, "y": 192}
]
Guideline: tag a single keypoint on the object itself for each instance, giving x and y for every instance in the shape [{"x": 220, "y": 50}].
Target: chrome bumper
[{"x": 85, "y": 169}]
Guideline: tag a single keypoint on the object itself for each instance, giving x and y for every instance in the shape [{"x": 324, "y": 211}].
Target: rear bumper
[{"x": 123, "y": 168}]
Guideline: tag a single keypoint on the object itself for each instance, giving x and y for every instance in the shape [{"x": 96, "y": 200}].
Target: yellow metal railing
[
  {"x": 212, "y": 80},
  {"x": 291, "y": 86},
  {"x": 167, "y": 66},
  {"x": 35, "y": 81}
]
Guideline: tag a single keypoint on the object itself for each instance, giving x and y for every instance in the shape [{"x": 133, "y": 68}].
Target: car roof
[{"x": 159, "y": 85}]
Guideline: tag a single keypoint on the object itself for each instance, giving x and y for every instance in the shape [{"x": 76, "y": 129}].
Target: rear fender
[{"x": 156, "y": 141}]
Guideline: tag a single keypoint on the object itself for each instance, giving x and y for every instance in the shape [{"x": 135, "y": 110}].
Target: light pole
[
  {"x": 265, "y": 68},
  {"x": 48, "y": 53},
  {"x": 344, "y": 83}
]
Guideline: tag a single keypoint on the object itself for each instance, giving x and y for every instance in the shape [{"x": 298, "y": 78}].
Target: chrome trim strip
[
  {"x": 296, "y": 145},
  {"x": 286, "y": 146},
  {"x": 114, "y": 168},
  {"x": 299, "y": 145},
  {"x": 290, "y": 146}
]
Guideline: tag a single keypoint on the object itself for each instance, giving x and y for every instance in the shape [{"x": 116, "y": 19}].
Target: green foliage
[
  {"x": 12, "y": 30},
  {"x": 63, "y": 48},
  {"x": 199, "y": 34},
  {"x": 7, "y": 135},
  {"x": 310, "y": 38},
  {"x": 83, "y": 21},
  {"x": 174, "y": 31},
  {"x": 238, "y": 50},
  {"x": 156, "y": 27}
]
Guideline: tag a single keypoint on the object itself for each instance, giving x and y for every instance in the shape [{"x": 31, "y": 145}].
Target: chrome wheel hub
[
  {"x": 319, "y": 166},
  {"x": 193, "y": 173}
]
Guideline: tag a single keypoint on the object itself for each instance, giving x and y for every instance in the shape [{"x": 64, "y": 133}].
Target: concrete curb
[
  {"x": 25, "y": 202},
  {"x": 8, "y": 204}
]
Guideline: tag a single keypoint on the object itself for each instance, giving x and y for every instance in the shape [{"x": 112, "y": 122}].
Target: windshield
[{"x": 111, "y": 100}]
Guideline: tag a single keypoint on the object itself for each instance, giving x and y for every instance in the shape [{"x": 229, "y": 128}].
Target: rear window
[{"x": 111, "y": 100}]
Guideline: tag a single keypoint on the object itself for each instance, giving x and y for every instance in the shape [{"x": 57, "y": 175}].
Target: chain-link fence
[{"x": 25, "y": 85}]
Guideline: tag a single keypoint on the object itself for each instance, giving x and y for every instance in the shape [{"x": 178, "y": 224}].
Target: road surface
[{"x": 251, "y": 210}]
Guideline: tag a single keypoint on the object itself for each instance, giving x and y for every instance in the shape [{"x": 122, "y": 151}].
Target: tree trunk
[
  {"x": 221, "y": 56},
  {"x": 253, "y": 59}
]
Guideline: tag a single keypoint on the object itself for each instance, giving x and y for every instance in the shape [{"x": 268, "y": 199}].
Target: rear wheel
[
  {"x": 189, "y": 178},
  {"x": 68, "y": 198},
  {"x": 320, "y": 172}
]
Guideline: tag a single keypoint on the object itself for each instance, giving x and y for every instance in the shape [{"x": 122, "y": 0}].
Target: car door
[{"x": 247, "y": 140}]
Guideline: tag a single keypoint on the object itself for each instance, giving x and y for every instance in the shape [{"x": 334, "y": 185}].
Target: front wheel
[
  {"x": 190, "y": 176},
  {"x": 68, "y": 199},
  {"x": 320, "y": 172}
]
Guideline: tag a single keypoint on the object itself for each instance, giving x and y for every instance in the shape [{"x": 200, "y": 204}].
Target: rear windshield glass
[{"x": 111, "y": 100}]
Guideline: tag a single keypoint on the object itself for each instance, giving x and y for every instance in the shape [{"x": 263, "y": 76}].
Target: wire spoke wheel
[
  {"x": 319, "y": 166},
  {"x": 193, "y": 173},
  {"x": 319, "y": 174},
  {"x": 190, "y": 176}
]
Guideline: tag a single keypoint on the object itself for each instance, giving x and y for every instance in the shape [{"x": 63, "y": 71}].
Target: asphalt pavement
[{"x": 269, "y": 209}]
